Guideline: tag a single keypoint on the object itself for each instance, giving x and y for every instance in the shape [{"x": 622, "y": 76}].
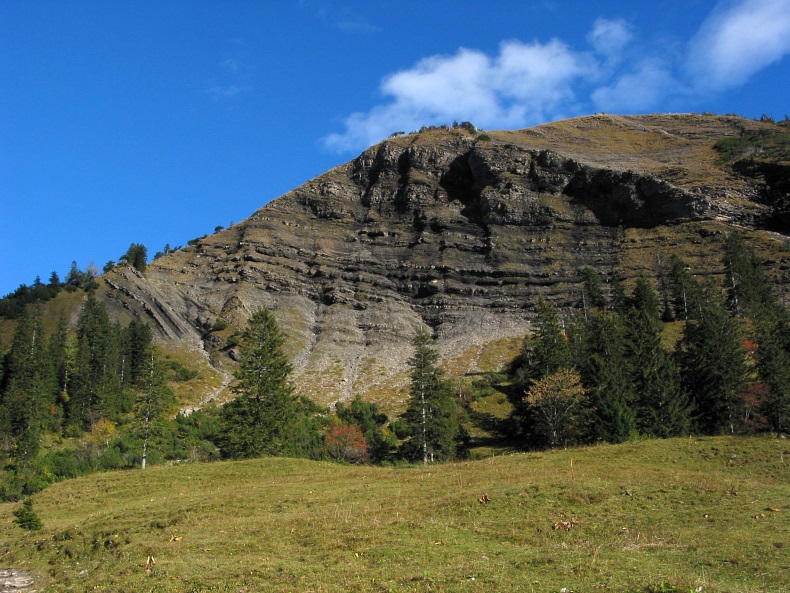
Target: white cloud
[
  {"x": 521, "y": 85},
  {"x": 530, "y": 83},
  {"x": 638, "y": 90},
  {"x": 610, "y": 37},
  {"x": 738, "y": 40}
]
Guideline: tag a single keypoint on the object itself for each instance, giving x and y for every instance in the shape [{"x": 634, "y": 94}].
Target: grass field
[{"x": 672, "y": 515}]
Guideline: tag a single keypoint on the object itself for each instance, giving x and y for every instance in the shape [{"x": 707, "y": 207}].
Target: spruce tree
[
  {"x": 661, "y": 405},
  {"x": 686, "y": 294},
  {"x": 30, "y": 387},
  {"x": 136, "y": 256},
  {"x": 773, "y": 365},
  {"x": 136, "y": 341},
  {"x": 265, "y": 418},
  {"x": 547, "y": 349},
  {"x": 60, "y": 357},
  {"x": 593, "y": 297},
  {"x": 749, "y": 291},
  {"x": 26, "y": 517},
  {"x": 713, "y": 371},
  {"x": 434, "y": 430},
  {"x": 95, "y": 387},
  {"x": 153, "y": 398},
  {"x": 606, "y": 374}
]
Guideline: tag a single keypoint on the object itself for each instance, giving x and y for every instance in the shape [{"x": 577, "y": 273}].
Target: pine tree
[
  {"x": 606, "y": 374},
  {"x": 661, "y": 405},
  {"x": 153, "y": 399},
  {"x": 30, "y": 387},
  {"x": 265, "y": 418},
  {"x": 713, "y": 370},
  {"x": 773, "y": 365},
  {"x": 547, "y": 349},
  {"x": 432, "y": 414},
  {"x": 749, "y": 292},
  {"x": 686, "y": 294}
]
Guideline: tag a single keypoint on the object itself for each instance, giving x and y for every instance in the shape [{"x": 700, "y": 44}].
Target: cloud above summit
[
  {"x": 527, "y": 83},
  {"x": 738, "y": 40}
]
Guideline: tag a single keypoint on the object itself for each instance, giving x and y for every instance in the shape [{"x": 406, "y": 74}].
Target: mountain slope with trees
[{"x": 463, "y": 233}]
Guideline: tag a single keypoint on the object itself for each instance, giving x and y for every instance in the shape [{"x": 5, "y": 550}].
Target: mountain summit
[{"x": 463, "y": 232}]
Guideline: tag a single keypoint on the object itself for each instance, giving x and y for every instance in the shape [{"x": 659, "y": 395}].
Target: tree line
[
  {"x": 13, "y": 305},
  {"x": 607, "y": 375}
]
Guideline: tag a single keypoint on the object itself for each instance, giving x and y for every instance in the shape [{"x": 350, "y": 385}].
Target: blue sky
[{"x": 156, "y": 121}]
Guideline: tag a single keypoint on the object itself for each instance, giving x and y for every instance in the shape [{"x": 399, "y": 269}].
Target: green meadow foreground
[{"x": 672, "y": 515}]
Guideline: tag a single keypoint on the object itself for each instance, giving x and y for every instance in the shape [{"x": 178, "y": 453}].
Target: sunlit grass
[{"x": 690, "y": 512}]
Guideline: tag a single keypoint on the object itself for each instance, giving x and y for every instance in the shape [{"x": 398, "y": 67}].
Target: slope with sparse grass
[{"x": 671, "y": 515}]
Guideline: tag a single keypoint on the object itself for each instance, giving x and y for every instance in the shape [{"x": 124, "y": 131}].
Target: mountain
[{"x": 463, "y": 232}]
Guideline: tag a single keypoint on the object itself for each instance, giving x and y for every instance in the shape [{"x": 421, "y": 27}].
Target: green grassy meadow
[{"x": 671, "y": 515}]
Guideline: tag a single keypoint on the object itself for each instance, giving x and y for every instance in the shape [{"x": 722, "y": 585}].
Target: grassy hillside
[{"x": 688, "y": 513}]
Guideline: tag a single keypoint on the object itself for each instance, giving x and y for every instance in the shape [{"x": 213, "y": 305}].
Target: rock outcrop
[{"x": 462, "y": 233}]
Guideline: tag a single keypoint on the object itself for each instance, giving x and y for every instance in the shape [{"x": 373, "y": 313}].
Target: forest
[{"x": 97, "y": 396}]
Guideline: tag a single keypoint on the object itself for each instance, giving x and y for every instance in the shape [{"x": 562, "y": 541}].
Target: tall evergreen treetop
[
  {"x": 548, "y": 348},
  {"x": 748, "y": 290},
  {"x": 136, "y": 256}
]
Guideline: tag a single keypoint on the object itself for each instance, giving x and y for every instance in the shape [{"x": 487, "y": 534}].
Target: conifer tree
[
  {"x": 547, "y": 349},
  {"x": 544, "y": 351},
  {"x": 773, "y": 365},
  {"x": 749, "y": 292},
  {"x": 60, "y": 359},
  {"x": 265, "y": 418},
  {"x": 29, "y": 387},
  {"x": 95, "y": 387},
  {"x": 136, "y": 256},
  {"x": 592, "y": 295},
  {"x": 432, "y": 416},
  {"x": 153, "y": 399},
  {"x": 606, "y": 374},
  {"x": 687, "y": 296},
  {"x": 135, "y": 351},
  {"x": 713, "y": 370},
  {"x": 661, "y": 405}
]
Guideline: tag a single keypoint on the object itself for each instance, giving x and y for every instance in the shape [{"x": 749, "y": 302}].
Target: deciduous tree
[{"x": 557, "y": 398}]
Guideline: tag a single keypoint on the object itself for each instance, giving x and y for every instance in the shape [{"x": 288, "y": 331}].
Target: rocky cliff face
[{"x": 460, "y": 233}]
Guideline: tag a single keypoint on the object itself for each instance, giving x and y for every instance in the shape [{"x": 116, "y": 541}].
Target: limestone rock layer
[{"x": 462, "y": 233}]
